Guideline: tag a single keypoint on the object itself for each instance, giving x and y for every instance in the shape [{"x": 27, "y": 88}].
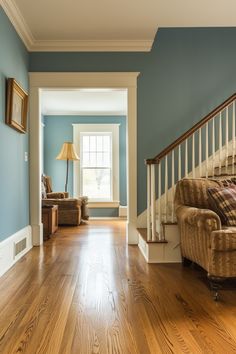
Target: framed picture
[{"x": 17, "y": 106}]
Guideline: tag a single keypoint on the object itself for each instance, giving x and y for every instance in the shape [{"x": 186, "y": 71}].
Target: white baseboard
[
  {"x": 123, "y": 211},
  {"x": 7, "y": 248}
]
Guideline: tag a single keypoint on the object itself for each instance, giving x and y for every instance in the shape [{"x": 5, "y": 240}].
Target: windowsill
[{"x": 111, "y": 204}]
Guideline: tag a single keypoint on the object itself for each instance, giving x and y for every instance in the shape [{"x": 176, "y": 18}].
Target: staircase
[{"x": 206, "y": 150}]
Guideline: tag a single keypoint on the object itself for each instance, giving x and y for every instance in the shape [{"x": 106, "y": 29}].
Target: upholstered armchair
[
  {"x": 203, "y": 238},
  {"x": 71, "y": 211}
]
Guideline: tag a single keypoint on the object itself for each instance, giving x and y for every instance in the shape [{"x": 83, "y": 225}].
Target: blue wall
[
  {"x": 188, "y": 73},
  {"x": 59, "y": 129},
  {"x": 14, "y": 176}
]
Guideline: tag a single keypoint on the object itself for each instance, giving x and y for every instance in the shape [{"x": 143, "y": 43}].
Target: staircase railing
[{"x": 198, "y": 152}]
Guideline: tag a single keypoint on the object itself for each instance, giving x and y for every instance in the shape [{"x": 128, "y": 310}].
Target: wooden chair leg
[
  {"x": 186, "y": 262},
  {"x": 215, "y": 284}
]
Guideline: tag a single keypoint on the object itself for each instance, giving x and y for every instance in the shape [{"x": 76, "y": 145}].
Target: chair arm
[
  {"x": 56, "y": 195},
  {"x": 201, "y": 218},
  {"x": 223, "y": 240},
  {"x": 64, "y": 203}
]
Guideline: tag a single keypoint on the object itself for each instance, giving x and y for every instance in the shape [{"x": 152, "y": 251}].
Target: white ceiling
[
  {"x": 84, "y": 102},
  {"x": 110, "y": 24}
]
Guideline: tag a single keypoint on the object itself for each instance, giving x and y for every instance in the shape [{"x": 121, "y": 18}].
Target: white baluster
[
  {"x": 220, "y": 141},
  {"x": 149, "y": 234},
  {"x": 233, "y": 138},
  {"x": 159, "y": 200},
  {"x": 200, "y": 152},
  {"x": 153, "y": 202},
  {"x": 179, "y": 163},
  {"x": 186, "y": 158},
  {"x": 173, "y": 183},
  {"x": 207, "y": 142},
  {"x": 213, "y": 146},
  {"x": 166, "y": 187},
  {"x": 226, "y": 139},
  {"x": 193, "y": 155}
]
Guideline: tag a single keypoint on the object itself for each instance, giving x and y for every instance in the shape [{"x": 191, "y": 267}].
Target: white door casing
[{"x": 39, "y": 81}]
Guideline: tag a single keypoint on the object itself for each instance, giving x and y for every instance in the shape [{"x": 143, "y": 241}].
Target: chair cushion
[
  {"x": 224, "y": 200},
  {"x": 193, "y": 191}
]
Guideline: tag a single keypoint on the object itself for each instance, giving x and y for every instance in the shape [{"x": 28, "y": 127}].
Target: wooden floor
[{"x": 86, "y": 291}]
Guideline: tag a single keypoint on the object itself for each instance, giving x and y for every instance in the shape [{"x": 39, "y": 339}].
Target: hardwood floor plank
[{"x": 86, "y": 292}]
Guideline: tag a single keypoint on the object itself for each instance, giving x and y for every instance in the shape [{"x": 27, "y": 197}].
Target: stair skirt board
[
  {"x": 162, "y": 252},
  {"x": 14, "y": 247}
]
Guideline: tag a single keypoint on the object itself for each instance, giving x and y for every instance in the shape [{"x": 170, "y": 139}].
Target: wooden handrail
[{"x": 188, "y": 133}]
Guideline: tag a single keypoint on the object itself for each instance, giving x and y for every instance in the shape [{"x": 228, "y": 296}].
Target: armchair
[
  {"x": 71, "y": 211},
  {"x": 204, "y": 240}
]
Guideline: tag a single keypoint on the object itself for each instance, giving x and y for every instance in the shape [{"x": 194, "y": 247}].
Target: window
[{"x": 96, "y": 165}]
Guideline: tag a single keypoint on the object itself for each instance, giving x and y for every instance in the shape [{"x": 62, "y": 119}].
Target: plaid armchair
[
  {"x": 204, "y": 240},
  {"x": 71, "y": 211}
]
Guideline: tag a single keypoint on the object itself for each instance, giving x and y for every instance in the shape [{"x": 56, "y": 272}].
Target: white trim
[
  {"x": 92, "y": 45},
  {"x": 18, "y": 22},
  {"x": 84, "y": 113},
  {"x": 7, "y": 249},
  {"x": 162, "y": 252},
  {"x": 114, "y": 204},
  {"x": 112, "y": 128},
  {"x": 123, "y": 211},
  {"x": 39, "y": 81},
  {"x": 35, "y": 45}
]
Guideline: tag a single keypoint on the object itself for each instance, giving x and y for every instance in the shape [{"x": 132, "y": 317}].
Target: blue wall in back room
[
  {"x": 14, "y": 176},
  {"x": 59, "y": 129},
  {"x": 188, "y": 73}
]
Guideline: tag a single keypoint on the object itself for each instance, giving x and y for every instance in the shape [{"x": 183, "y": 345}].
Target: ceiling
[
  {"x": 124, "y": 25},
  {"x": 84, "y": 102}
]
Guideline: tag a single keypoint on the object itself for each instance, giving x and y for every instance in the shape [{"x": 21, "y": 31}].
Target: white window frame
[
  {"x": 98, "y": 128},
  {"x": 110, "y": 168}
]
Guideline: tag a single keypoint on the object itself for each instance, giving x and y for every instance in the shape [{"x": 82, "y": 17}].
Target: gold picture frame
[{"x": 17, "y": 106}]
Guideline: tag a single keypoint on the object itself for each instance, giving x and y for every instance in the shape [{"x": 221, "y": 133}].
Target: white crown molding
[
  {"x": 18, "y": 22},
  {"x": 92, "y": 46},
  {"x": 33, "y": 45},
  {"x": 84, "y": 113}
]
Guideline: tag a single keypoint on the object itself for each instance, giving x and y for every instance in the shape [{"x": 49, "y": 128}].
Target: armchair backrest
[
  {"x": 47, "y": 183},
  {"x": 193, "y": 192}
]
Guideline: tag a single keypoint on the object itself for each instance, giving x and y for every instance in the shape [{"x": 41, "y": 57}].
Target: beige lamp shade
[{"x": 67, "y": 152}]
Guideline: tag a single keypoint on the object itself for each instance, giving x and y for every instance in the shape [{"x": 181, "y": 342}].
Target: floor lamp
[{"x": 67, "y": 153}]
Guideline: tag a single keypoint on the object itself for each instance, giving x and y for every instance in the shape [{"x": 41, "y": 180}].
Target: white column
[
  {"x": 207, "y": 150},
  {"x": 172, "y": 183},
  {"x": 186, "y": 158},
  {"x": 233, "y": 134},
  {"x": 159, "y": 200},
  {"x": 200, "y": 152},
  {"x": 153, "y": 202},
  {"x": 193, "y": 155},
  {"x": 149, "y": 234},
  {"x": 220, "y": 142},
  {"x": 35, "y": 167},
  {"x": 213, "y": 146},
  {"x": 166, "y": 187},
  {"x": 179, "y": 163},
  {"x": 226, "y": 139}
]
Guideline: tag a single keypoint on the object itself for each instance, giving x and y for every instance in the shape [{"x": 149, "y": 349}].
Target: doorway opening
[
  {"x": 94, "y": 121},
  {"x": 68, "y": 81}
]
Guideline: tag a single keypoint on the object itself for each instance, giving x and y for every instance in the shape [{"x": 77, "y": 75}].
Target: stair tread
[{"x": 143, "y": 233}]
